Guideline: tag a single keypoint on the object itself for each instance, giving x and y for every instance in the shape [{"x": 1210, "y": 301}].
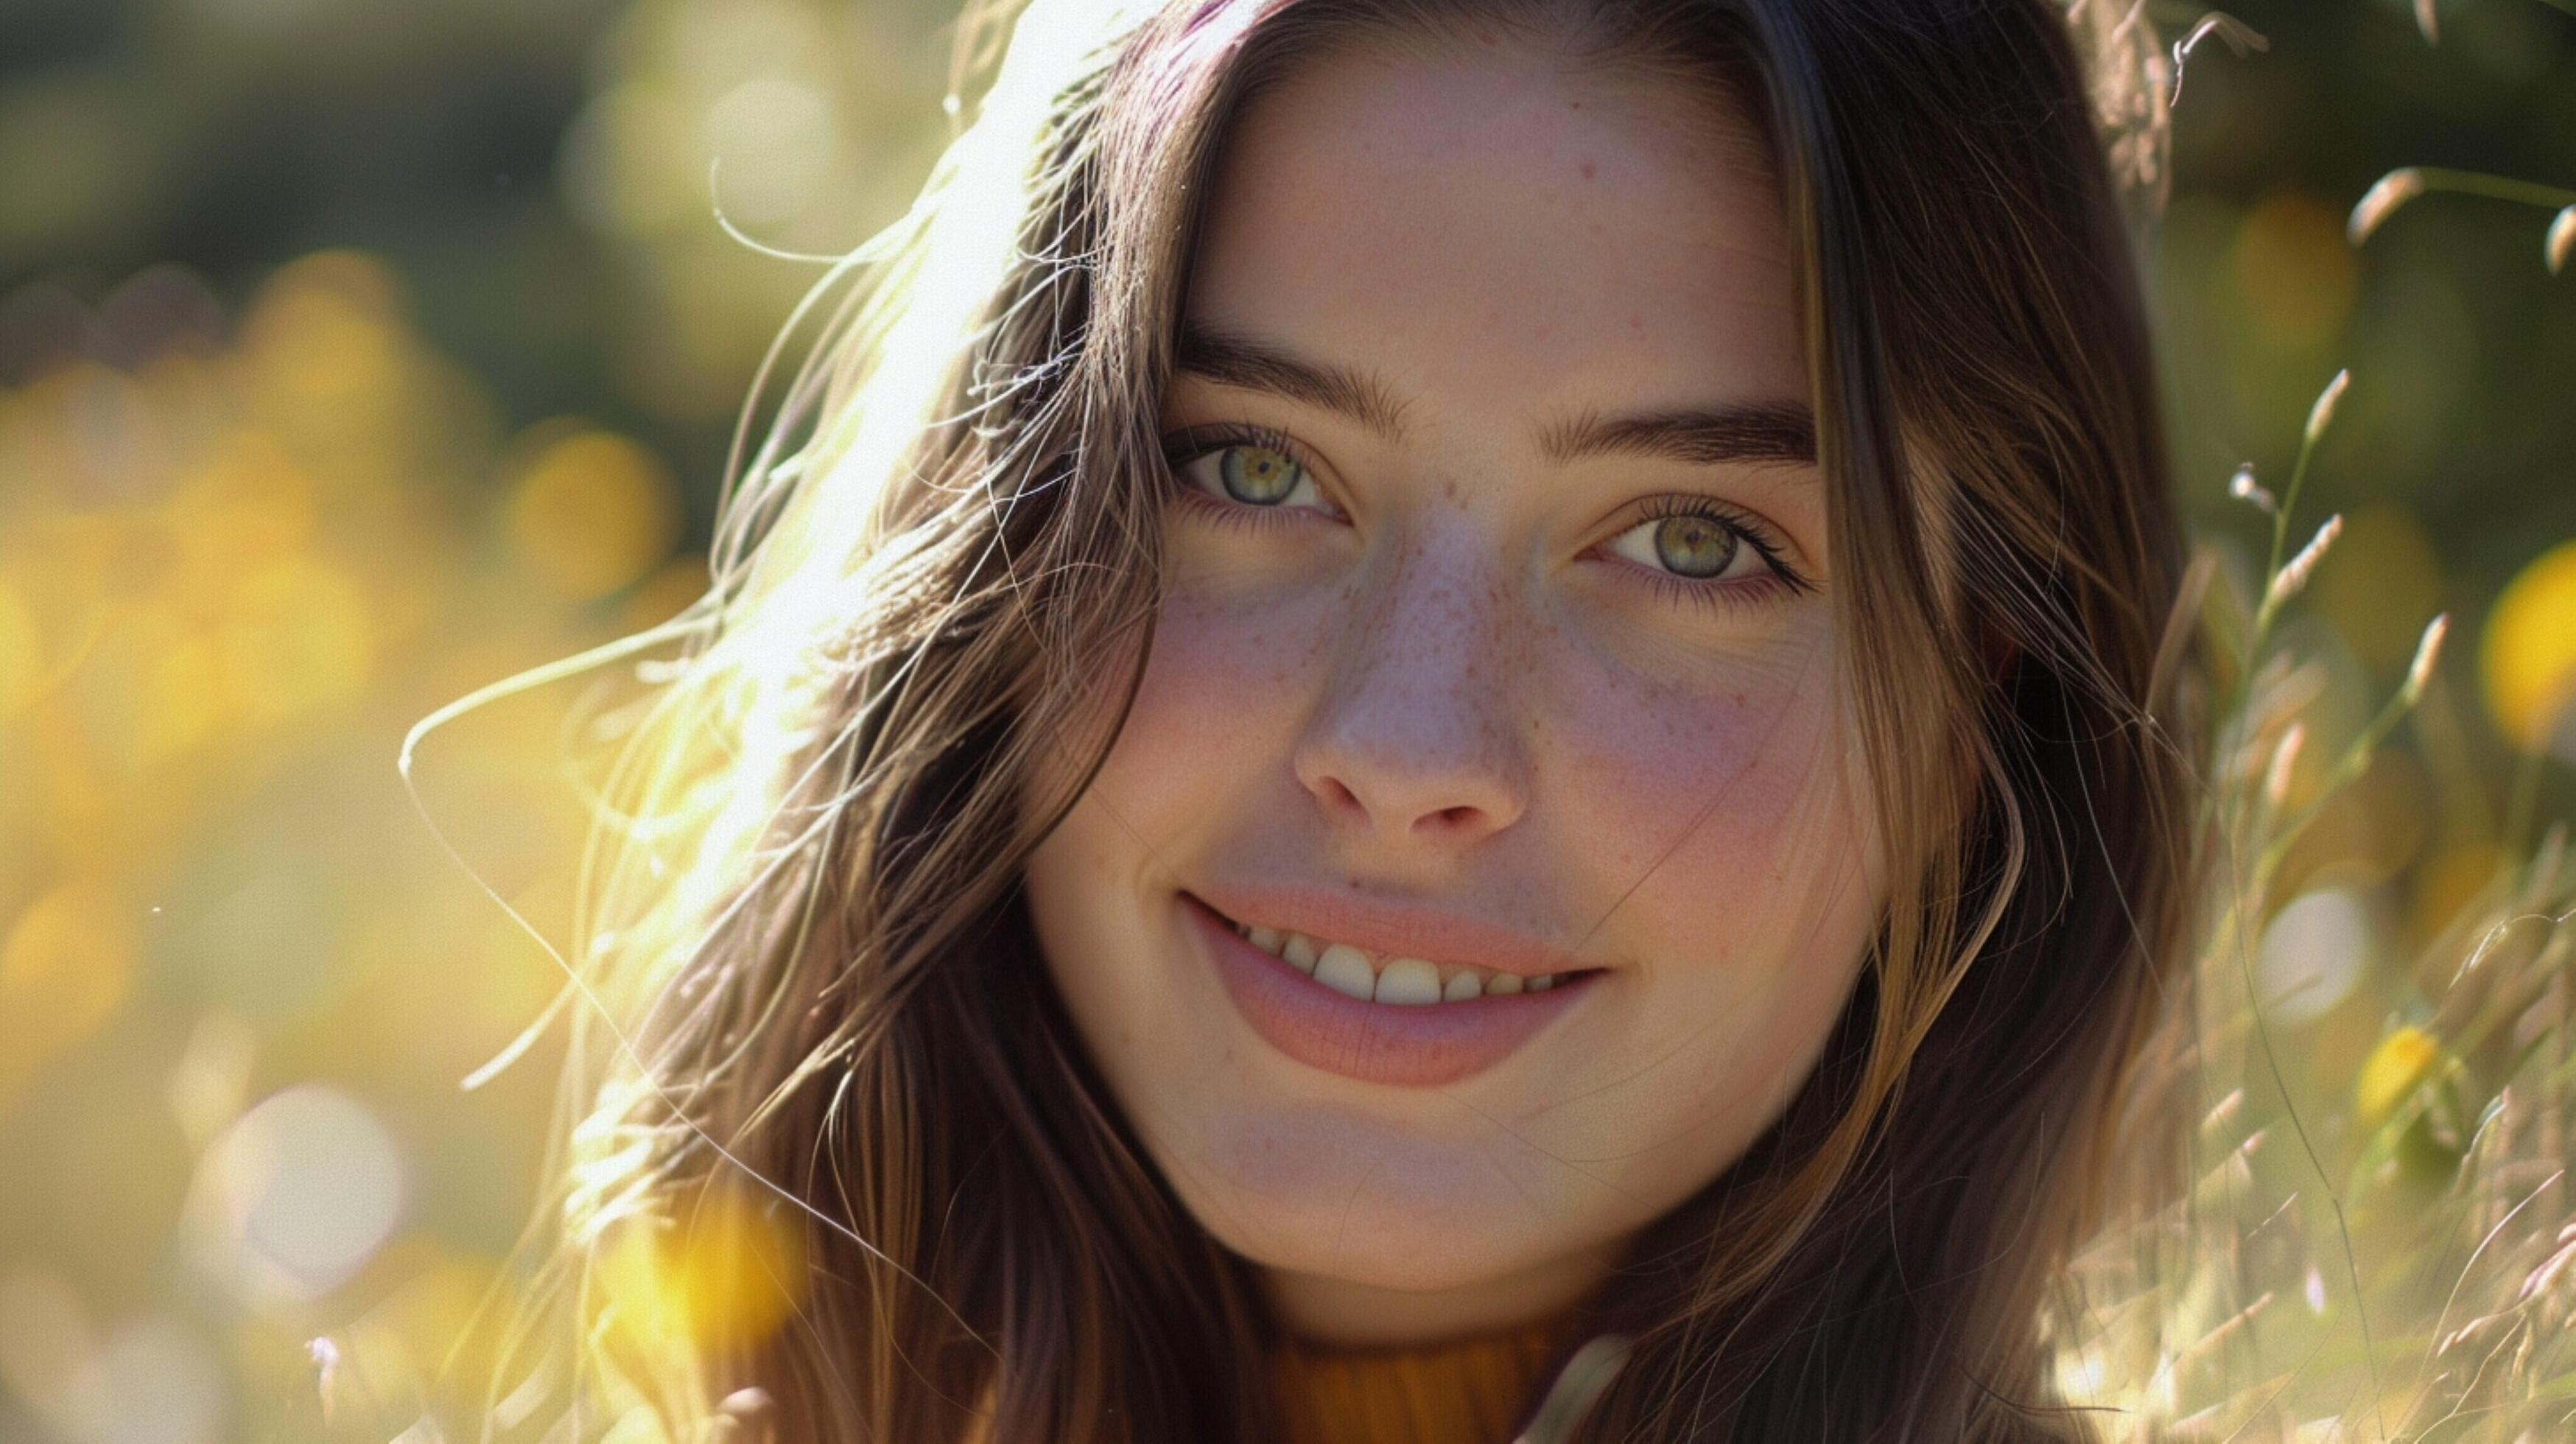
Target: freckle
[{"x": 1587, "y": 165}]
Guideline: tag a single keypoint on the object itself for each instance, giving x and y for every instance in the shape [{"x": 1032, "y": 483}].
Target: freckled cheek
[
  {"x": 1726, "y": 800},
  {"x": 1219, "y": 695}
]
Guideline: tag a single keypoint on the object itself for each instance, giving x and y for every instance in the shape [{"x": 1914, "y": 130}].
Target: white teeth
[
  {"x": 1408, "y": 981},
  {"x": 1345, "y": 969},
  {"x": 1404, "y": 982},
  {"x": 1299, "y": 950}
]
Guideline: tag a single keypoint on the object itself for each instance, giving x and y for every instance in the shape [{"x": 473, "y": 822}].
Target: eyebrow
[
  {"x": 1232, "y": 359},
  {"x": 1774, "y": 432},
  {"x": 1781, "y": 433}
]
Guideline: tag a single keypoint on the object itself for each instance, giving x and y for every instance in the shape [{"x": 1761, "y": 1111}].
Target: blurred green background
[{"x": 354, "y": 354}]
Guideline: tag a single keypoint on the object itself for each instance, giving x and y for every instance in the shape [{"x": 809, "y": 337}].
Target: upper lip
[{"x": 1387, "y": 928}]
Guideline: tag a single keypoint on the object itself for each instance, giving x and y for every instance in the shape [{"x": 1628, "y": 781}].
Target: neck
[{"x": 1338, "y": 1312}]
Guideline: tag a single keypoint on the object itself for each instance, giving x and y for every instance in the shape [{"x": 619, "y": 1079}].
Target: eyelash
[
  {"x": 1782, "y": 580},
  {"x": 1183, "y": 447}
]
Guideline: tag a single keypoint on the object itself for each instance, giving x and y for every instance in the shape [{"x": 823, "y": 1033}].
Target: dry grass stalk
[{"x": 2382, "y": 200}]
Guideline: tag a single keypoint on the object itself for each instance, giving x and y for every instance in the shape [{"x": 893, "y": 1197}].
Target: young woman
[{"x": 1430, "y": 688}]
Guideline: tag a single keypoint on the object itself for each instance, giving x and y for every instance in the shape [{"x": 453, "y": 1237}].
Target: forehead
[{"x": 1484, "y": 221}]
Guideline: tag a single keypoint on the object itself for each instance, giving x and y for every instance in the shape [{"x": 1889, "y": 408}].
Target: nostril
[
  {"x": 1339, "y": 798},
  {"x": 1448, "y": 818},
  {"x": 1401, "y": 806}
]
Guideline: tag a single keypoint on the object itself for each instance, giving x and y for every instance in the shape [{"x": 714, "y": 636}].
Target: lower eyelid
[
  {"x": 1760, "y": 589},
  {"x": 1763, "y": 585},
  {"x": 1227, "y": 512}
]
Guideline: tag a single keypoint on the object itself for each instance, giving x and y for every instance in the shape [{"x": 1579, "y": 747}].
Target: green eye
[
  {"x": 1695, "y": 546},
  {"x": 1257, "y": 475}
]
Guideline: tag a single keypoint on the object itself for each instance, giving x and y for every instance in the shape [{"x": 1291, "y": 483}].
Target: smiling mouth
[{"x": 1356, "y": 972}]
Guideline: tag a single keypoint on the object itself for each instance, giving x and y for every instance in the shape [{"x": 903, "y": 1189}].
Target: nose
[{"x": 1417, "y": 739}]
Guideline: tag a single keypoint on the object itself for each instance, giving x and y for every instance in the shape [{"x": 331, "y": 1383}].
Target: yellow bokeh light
[
  {"x": 184, "y": 689},
  {"x": 249, "y": 505},
  {"x": 225, "y": 564},
  {"x": 146, "y": 692},
  {"x": 665, "y": 594},
  {"x": 95, "y": 811},
  {"x": 59, "y": 565},
  {"x": 295, "y": 636},
  {"x": 594, "y": 512},
  {"x": 437, "y": 1330},
  {"x": 22, "y": 653},
  {"x": 2394, "y": 1068},
  {"x": 725, "y": 1276},
  {"x": 65, "y": 967},
  {"x": 323, "y": 333},
  {"x": 47, "y": 1337},
  {"x": 2448, "y": 882},
  {"x": 2528, "y": 660},
  {"x": 2294, "y": 273},
  {"x": 2380, "y": 584}
]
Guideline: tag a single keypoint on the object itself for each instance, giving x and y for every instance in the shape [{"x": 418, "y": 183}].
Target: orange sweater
[{"x": 1470, "y": 1392}]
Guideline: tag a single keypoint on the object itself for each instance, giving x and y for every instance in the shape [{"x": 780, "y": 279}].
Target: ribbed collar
[{"x": 1471, "y": 1391}]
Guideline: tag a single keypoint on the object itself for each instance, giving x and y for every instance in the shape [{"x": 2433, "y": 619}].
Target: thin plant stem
[{"x": 2496, "y": 187}]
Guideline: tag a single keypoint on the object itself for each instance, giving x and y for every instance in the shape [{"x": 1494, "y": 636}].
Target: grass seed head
[
  {"x": 2295, "y": 573},
  {"x": 2285, "y": 761},
  {"x": 2382, "y": 200},
  {"x": 2428, "y": 650},
  {"x": 2322, "y": 415}
]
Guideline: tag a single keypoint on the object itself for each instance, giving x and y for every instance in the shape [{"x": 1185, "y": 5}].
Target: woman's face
[{"x": 1497, "y": 642}]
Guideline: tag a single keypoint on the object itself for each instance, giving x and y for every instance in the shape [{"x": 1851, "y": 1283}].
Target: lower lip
[{"x": 1420, "y": 1046}]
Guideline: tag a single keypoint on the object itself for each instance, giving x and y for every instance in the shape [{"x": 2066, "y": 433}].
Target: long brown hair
[{"x": 810, "y": 986}]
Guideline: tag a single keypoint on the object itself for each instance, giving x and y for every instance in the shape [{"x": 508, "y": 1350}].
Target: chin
[{"x": 1369, "y": 1201}]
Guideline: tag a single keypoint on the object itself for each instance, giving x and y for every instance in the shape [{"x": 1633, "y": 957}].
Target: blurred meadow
[{"x": 354, "y": 356}]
